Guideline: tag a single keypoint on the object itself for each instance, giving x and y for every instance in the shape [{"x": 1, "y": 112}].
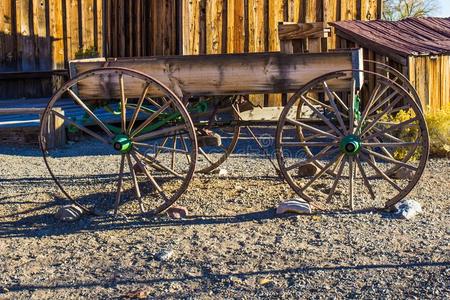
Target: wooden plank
[
  {"x": 25, "y": 40},
  {"x": 87, "y": 23},
  {"x": 72, "y": 28},
  {"x": 235, "y": 27},
  {"x": 311, "y": 11},
  {"x": 7, "y": 52},
  {"x": 290, "y": 31},
  {"x": 42, "y": 49},
  {"x": 294, "y": 10},
  {"x": 276, "y": 15},
  {"x": 256, "y": 34},
  {"x": 214, "y": 26},
  {"x": 330, "y": 14},
  {"x": 224, "y": 74},
  {"x": 191, "y": 28},
  {"x": 56, "y": 32}
]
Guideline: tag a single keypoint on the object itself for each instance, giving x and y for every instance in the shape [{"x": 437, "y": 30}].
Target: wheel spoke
[
  {"x": 205, "y": 155},
  {"x": 320, "y": 115},
  {"x": 367, "y": 108},
  {"x": 351, "y": 108},
  {"x": 310, "y": 128},
  {"x": 123, "y": 105},
  {"x": 334, "y": 107},
  {"x": 80, "y": 127},
  {"x": 318, "y": 175},
  {"x": 365, "y": 178},
  {"x": 152, "y": 180},
  {"x": 156, "y": 148},
  {"x": 137, "y": 109},
  {"x": 174, "y": 147},
  {"x": 322, "y": 153},
  {"x": 374, "y": 122},
  {"x": 383, "y": 144},
  {"x": 336, "y": 180},
  {"x": 386, "y": 100},
  {"x": 388, "y": 159},
  {"x": 157, "y": 133},
  {"x": 394, "y": 127},
  {"x": 149, "y": 99},
  {"x": 158, "y": 164},
  {"x": 183, "y": 142},
  {"x": 135, "y": 182},
  {"x": 351, "y": 173},
  {"x": 162, "y": 145},
  {"x": 119, "y": 184},
  {"x": 307, "y": 144},
  {"x": 381, "y": 173},
  {"x": 151, "y": 118},
  {"x": 90, "y": 113}
]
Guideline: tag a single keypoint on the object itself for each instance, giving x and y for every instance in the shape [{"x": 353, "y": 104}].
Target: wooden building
[
  {"x": 38, "y": 37},
  {"x": 418, "y": 47}
]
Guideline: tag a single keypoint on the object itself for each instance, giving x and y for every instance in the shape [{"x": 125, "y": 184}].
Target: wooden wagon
[{"x": 150, "y": 123}]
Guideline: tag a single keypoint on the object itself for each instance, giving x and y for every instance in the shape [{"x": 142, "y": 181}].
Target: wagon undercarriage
[{"x": 152, "y": 123}]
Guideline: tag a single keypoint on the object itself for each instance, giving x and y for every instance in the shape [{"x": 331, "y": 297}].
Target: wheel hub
[
  {"x": 122, "y": 143},
  {"x": 350, "y": 144}
]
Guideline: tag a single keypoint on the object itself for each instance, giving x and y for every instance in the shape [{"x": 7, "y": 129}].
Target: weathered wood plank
[
  {"x": 222, "y": 74},
  {"x": 235, "y": 27},
  {"x": 290, "y": 31},
  {"x": 214, "y": 26},
  {"x": 72, "y": 28},
  {"x": 87, "y": 23},
  {"x": 191, "y": 27},
  {"x": 7, "y": 52}
]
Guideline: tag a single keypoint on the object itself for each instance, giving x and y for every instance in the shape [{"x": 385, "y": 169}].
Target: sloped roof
[{"x": 412, "y": 36}]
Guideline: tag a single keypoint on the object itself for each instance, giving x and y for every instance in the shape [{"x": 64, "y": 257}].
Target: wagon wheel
[
  {"x": 123, "y": 116},
  {"x": 355, "y": 149}
]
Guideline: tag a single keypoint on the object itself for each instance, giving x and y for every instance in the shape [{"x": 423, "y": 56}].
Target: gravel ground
[{"x": 232, "y": 246}]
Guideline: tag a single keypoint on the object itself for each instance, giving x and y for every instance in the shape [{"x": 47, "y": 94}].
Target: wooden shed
[{"x": 418, "y": 47}]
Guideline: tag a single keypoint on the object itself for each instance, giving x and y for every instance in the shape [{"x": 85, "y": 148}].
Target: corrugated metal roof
[{"x": 412, "y": 36}]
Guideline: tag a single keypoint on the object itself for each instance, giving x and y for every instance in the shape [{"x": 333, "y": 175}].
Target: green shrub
[
  {"x": 87, "y": 53},
  {"x": 439, "y": 127}
]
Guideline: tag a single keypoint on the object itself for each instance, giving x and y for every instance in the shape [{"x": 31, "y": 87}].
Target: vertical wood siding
[
  {"x": 430, "y": 76},
  {"x": 44, "y": 34}
]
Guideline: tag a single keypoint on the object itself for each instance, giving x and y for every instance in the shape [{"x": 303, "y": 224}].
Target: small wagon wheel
[
  {"x": 123, "y": 115},
  {"x": 359, "y": 141}
]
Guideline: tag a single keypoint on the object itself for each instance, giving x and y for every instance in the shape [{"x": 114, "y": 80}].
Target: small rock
[
  {"x": 403, "y": 173},
  {"x": 164, "y": 255},
  {"x": 177, "y": 212},
  {"x": 294, "y": 206},
  {"x": 408, "y": 209},
  {"x": 307, "y": 170},
  {"x": 220, "y": 172},
  {"x": 138, "y": 170},
  {"x": 69, "y": 213}
]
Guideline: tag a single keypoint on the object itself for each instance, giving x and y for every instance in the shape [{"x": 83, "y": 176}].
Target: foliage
[
  {"x": 394, "y": 10},
  {"x": 87, "y": 53},
  {"x": 439, "y": 127},
  {"x": 407, "y": 133}
]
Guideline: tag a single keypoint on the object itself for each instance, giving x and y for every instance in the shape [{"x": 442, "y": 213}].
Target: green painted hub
[
  {"x": 350, "y": 144},
  {"x": 122, "y": 143}
]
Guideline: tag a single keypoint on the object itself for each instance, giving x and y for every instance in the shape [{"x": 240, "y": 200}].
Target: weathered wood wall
[
  {"x": 430, "y": 75},
  {"x": 45, "y": 34},
  {"x": 232, "y": 26},
  {"x": 141, "y": 28}
]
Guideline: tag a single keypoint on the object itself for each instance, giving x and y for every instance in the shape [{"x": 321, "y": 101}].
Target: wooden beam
[
  {"x": 222, "y": 74},
  {"x": 292, "y": 31}
]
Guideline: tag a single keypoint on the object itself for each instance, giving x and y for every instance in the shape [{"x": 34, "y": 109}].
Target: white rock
[
  {"x": 408, "y": 209},
  {"x": 69, "y": 213},
  {"x": 220, "y": 172},
  {"x": 164, "y": 255},
  {"x": 294, "y": 206}
]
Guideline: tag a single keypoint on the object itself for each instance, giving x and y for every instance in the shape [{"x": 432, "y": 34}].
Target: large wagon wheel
[
  {"x": 362, "y": 142},
  {"x": 124, "y": 115}
]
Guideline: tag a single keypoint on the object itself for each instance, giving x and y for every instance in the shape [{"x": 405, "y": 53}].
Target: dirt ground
[{"x": 232, "y": 246}]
